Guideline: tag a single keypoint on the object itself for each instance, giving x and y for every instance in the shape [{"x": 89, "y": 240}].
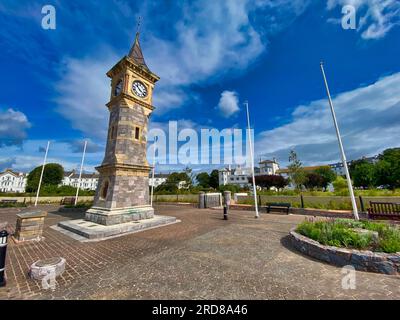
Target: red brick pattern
[{"x": 203, "y": 257}]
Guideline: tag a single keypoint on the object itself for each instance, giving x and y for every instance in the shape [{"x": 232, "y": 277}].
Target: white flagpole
[
  {"x": 344, "y": 160},
  {"x": 252, "y": 160},
  {"x": 41, "y": 174},
  {"x": 80, "y": 173},
  {"x": 152, "y": 174}
]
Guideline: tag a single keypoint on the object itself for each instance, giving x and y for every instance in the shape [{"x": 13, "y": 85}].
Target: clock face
[
  {"x": 118, "y": 88},
  {"x": 139, "y": 89}
]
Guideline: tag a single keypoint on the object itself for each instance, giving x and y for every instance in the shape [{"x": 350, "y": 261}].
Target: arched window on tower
[{"x": 104, "y": 190}]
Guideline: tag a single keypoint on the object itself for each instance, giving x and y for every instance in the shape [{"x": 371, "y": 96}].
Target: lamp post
[
  {"x": 344, "y": 160},
  {"x": 3, "y": 251}
]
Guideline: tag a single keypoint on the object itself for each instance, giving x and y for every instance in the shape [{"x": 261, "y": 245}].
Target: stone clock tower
[{"x": 123, "y": 190}]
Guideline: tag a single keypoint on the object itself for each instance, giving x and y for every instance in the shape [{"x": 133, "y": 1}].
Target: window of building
[
  {"x": 137, "y": 133},
  {"x": 104, "y": 190},
  {"x": 113, "y": 132}
]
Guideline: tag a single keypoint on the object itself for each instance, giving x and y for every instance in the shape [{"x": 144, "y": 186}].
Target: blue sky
[{"x": 211, "y": 57}]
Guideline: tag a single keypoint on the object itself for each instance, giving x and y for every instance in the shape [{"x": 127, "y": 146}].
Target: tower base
[
  {"x": 108, "y": 217},
  {"x": 83, "y": 230}
]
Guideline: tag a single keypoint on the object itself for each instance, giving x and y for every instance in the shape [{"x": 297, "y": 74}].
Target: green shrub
[
  {"x": 339, "y": 233},
  {"x": 12, "y": 205},
  {"x": 390, "y": 242},
  {"x": 333, "y": 234}
]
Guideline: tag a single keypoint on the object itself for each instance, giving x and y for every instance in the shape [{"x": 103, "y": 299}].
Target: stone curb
[{"x": 378, "y": 262}]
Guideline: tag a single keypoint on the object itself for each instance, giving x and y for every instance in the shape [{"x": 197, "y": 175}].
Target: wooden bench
[
  {"x": 9, "y": 201},
  {"x": 384, "y": 210},
  {"x": 278, "y": 205},
  {"x": 68, "y": 200}
]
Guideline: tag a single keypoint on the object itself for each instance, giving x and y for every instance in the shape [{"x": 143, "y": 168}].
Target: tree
[
  {"x": 296, "y": 172},
  {"x": 264, "y": 181},
  {"x": 52, "y": 175},
  {"x": 189, "y": 178},
  {"x": 280, "y": 182},
  {"x": 203, "y": 179},
  {"x": 313, "y": 180},
  {"x": 229, "y": 187},
  {"x": 339, "y": 184},
  {"x": 176, "y": 177},
  {"x": 363, "y": 174},
  {"x": 166, "y": 188},
  {"x": 327, "y": 175},
  {"x": 214, "y": 179},
  {"x": 388, "y": 168},
  {"x": 269, "y": 181}
]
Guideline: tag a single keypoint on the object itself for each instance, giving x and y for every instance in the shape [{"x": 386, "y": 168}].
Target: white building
[
  {"x": 223, "y": 176},
  {"x": 159, "y": 178},
  {"x": 11, "y": 181},
  {"x": 338, "y": 167},
  {"x": 89, "y": 181},
  {"x": 240, "y": 176},
  {"x": 268, "y": 167}
]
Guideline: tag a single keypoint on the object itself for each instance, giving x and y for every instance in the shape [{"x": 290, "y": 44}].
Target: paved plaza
[{"x": 202, "y": 257}]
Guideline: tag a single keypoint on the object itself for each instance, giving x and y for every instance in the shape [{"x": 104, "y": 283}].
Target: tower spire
[{"x": 136, "y": 51}]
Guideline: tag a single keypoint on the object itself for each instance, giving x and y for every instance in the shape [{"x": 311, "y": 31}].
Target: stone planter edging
[{"x": 379, "y": 262}]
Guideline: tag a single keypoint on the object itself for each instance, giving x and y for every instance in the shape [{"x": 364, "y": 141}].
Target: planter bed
[{"x": 364, "y": 260}]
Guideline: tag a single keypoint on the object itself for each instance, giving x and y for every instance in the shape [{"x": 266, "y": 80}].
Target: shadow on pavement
[{"x": 69, "y": 215}]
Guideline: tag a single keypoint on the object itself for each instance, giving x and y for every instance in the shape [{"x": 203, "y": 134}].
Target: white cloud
[
  {"x": 31, "y": 155},
  {"x": 210, "y": 40},
  {"x": 375, "y": 17},
  {"x": 13, "y": 126},
  {"x": 368, "y": 118},
  {"x": 6, "y": 163},
  {"x": 228, "y": 103},
  {"x": 83, "y": 91}
]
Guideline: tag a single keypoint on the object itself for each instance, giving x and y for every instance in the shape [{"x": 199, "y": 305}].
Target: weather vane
[{"x": 138, "y": 24}]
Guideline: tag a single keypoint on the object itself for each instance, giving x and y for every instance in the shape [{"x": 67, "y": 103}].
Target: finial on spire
[
  {"x": 136, "y": 52},
  {"x": 139, "y": 23}
]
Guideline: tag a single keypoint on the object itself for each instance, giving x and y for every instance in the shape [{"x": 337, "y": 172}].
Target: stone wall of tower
[
  {"x": 122, "y": 145},
  {"x": 126, "y": 188}
]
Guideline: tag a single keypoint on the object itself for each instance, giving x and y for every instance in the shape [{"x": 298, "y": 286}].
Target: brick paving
[{"x": 203, "y": 257}]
